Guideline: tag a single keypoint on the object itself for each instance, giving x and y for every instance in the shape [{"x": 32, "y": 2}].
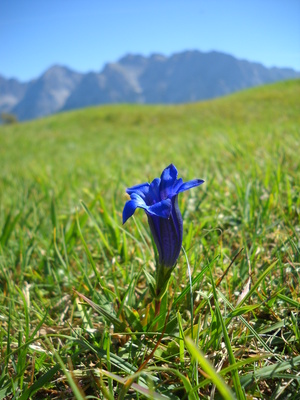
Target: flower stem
[{"x": 157, "y": 307}]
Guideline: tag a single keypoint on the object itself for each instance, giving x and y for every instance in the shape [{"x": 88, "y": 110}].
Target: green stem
[
  {"x": 157, "y": 307},
  {"x": 157, "y": 311}
]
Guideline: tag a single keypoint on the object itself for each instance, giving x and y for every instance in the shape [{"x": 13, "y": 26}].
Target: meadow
[{"x": 76, "y": 315}]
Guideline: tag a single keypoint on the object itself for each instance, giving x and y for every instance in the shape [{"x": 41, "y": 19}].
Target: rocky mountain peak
[{"x": 186, "y": 76}]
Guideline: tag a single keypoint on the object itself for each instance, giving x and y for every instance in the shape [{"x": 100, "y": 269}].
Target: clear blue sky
[{"x": 84, "y": 35}]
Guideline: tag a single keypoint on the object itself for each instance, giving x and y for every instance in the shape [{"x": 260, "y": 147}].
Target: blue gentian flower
[{"x": 160, "y": 201}]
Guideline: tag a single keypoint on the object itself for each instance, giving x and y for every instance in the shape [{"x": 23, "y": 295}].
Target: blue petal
[
  {"x": 131, "y": 205},
  {"x": 129, "y": 210},
  {"x": 142, "y": 190},
  {"x": 177, "y": 185},
  {"x": 168, "y": 179},
  {"x": 167, "y": 235},
  {"x": 154, "y": 190},
  {"x": 170, "y": 231},
  {"x": 162, "y": 209},
  {"x": 189, "y": 185}
]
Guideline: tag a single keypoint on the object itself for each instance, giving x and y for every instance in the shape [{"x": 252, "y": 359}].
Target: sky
[{"x": 84, "y": 35}]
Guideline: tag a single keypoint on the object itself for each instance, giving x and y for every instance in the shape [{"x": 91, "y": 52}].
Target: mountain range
[{"x": 183, "y": 77}]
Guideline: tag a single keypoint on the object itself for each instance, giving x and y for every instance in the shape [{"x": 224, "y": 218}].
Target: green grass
[{"x": 76, "y": 316}]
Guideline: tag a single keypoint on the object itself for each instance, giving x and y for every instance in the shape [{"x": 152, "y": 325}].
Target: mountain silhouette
[{"x": 188, "y": 76}]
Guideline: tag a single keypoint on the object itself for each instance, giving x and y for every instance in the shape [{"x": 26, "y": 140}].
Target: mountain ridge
[{"x": 183, "y": 77}]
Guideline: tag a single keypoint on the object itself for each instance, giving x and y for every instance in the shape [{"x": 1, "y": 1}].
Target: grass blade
[
  {"x": 235, "y": 376},
  {"x": 217, "y": 380}
]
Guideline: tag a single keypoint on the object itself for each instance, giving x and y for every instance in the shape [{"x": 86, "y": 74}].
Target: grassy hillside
[
  {"x": 112, "y": 143},
  {"x": 246, "y": 147}
]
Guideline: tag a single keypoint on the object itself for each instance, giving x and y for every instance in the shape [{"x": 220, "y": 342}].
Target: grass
[{"x": 77, "y": 319}]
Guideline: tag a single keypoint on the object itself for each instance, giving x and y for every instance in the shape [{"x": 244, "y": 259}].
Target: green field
[{"x": 62, "y": 191}]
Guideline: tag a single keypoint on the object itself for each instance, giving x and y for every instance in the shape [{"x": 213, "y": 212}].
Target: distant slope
[
  {"x": 106, "y": 144},
  {"x": 184, "y": 77}
]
